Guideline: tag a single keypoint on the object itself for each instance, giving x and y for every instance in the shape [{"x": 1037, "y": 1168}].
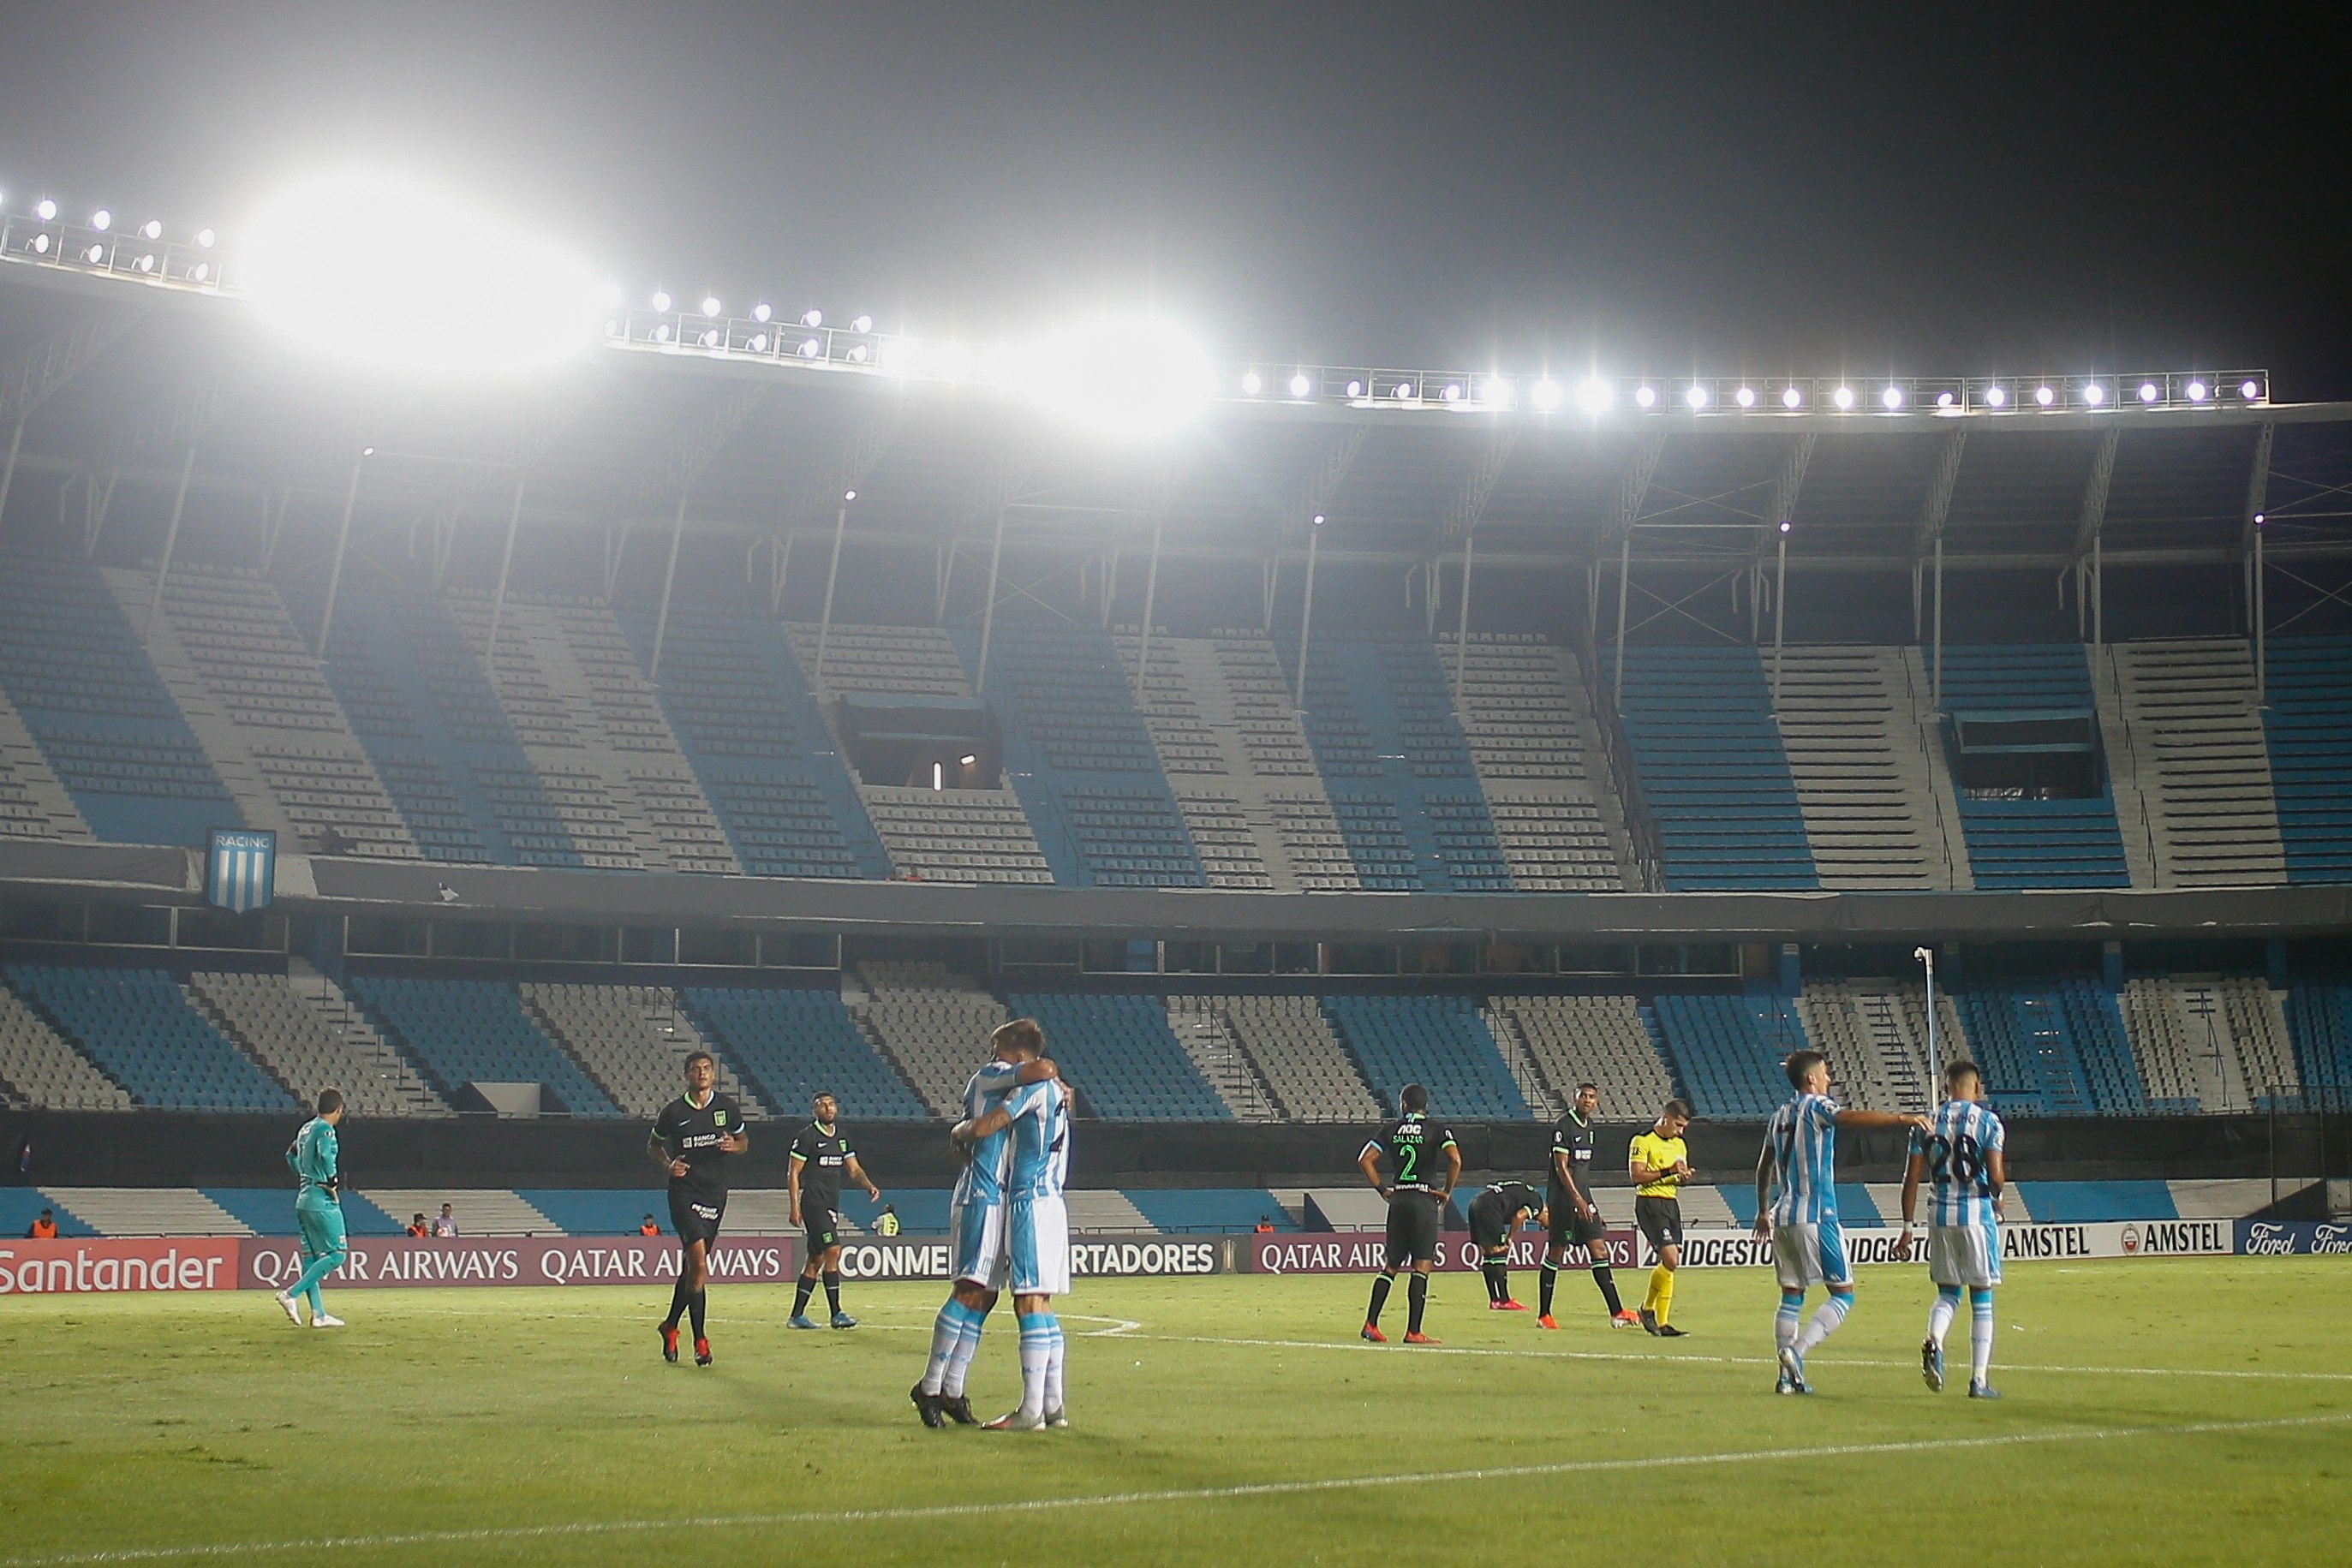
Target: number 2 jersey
[
  {"x": 1958, "y": 1146},
  {"x": 1416, "y": 1149}
]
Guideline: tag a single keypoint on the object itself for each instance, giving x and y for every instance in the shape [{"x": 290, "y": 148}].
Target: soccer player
[
  {"x": 1036, "y": 1118},
  {"x": 1417, "y": 1199},
  {"x": 1659, "y": 1163},
  {"x": 316, "y": 1156},
  {"x": 820, "y": 1153},
  {"x": 1960, "y": 1157},
  {"x": 692, "y": 1140},
  {"x": 1495, "y": 1213},
  {"x": 976, "y": 1224},
  {"x": 1796, "y": 1206},
  {"x": 1575, "y": 1219}
]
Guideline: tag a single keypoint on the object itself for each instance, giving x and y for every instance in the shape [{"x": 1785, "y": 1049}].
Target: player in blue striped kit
[
  {"x": 1036, "y": 1235},
  {"x": 1796, "y": 1206},
  {"x": 1960, "y": 1157}
]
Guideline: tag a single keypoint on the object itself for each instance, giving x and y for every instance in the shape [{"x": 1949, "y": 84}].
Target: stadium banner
[
  {"x": 1092, "y": 1256},
  {"x": 1726, "y": 1249},
  {"x": 272, "y": 1262},
  {"x": 1366, "y": 1252},
  {"x": 89, "y": 1266},
  {"x": 2295, "y": 1237}
]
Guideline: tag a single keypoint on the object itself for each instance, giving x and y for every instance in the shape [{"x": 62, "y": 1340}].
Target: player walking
[
  {"x": 820, "y": 1153},
  {"x": 1495, "y": 1213},
  {"x": 977, "y": 1220},
  {"x": 1960, "y": 1155},
  {"x": 1796, "y": 1206},
  {"x": 1416, "y": 1201},
  {"x": 1575, "y": 1219},
  {"x": 1659, "y": 1163},
  {"x": 1036, "y": 1119},
  {"x": 692, "y": 1140},
  {"x": 316, "y": 1156}
]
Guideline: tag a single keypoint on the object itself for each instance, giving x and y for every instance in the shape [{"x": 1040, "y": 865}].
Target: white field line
[{"x": 583, "y": 1529}]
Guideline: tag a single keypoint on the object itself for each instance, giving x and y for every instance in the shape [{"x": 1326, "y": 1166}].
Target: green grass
[{"x": 541, "y": 1425}]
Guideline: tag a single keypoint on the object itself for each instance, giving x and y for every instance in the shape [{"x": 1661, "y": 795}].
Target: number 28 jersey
[
  {"x": 1416, "y": 1149},
  {"x": 1960, "y": 1140}
]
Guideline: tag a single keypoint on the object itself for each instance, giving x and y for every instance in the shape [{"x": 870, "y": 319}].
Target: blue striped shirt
[
  {"x": 1041, "y": 1140},
  {"x": 1803, "y": 1140},
  {"x": 1960, "y": 1138},
  {"x": 983, "y": 1180}
]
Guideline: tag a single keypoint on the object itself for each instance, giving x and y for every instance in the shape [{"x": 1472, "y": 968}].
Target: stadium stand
[
  {"x": 1441, "y": 1043},
  {"x": 478, "y": 1211},
  {"x": 794, "y": 1042},
  {"x": 298, "y": 1046},
  {"x": 1711, "y": 768},
  {"x": 148, "y": 1210},
  {"x": 461, "y": 1032},
  {"x": 2319, "y": 1019},
  {"x": 2018, "y": 840},
  {"x": 269, "y": 1211},
  {"x": 37, "y": 1067},
  {"x": 2189, "y": 716},
  {"x": 1307, "y": 1073},
  {"x": 1532, "y": 741},
  {"x": 33, "y": 803},
  {"x": 1878, "y": 806},
  {"x": 1875, "y": 1033},
  {"x": 1207, "y": 1035},
  {"x": 1177, "y": 1210},
  {"x": 2052, "y": 1048},
  {"x": 1599, "y": 1040},
  {"x": 105, "y": 725},
  {"x": 1727, "y": 1049},
  {"x": 632, "y": 1039},
  {"x": 140, "y": 1029},
  {"x": 21, "y": 1205},
  {"x": 2209, "y": 1042},
  {"x": 931, "y": 1023},
  {"x": 1124, "y": 1060},
  {"x": 2308, "y": 726}
]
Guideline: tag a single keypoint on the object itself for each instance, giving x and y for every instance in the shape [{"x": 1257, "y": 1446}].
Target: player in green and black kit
[
  {"x": 1417, "y": 1199},
  {"x": 1575, "y": 1217},
  {"x": 820, "y": 1155},
  {"x": 316, "y": 1156},
  {"x": 1495, "y": 1213},
  {"x": 692, "y": 1140}
]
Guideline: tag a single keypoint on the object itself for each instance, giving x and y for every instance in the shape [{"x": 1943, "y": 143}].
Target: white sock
[
  {"x": 1979, "y": 1335},
  {"x": 1036, "y": 1351},
  {"x": 1784, "y": 1321},
  {"x": 947, "y": 1333},
  {"x": 1940, "y": 1315},
  {"x": 959, "y": 1359},
  {"x": 1054, "y": 1367},
  {"x": 1825, "y": 1322}
]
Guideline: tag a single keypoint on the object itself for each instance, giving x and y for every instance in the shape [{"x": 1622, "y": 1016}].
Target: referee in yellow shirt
[{"x": 1659, "y": 1164}]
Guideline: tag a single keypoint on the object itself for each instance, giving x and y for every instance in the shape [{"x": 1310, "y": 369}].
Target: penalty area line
[{"x": 965, "y": 1510}]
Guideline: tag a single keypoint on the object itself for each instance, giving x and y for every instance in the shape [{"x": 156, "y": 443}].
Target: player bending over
[
  {"x": 316, "y": 1156},
  {"x": 692, "y": 1140},
  {"x": 1495, "y": 1213},
  {"x": 1575, "y": 1217},
  {"x": 1796, "y": 1206},
  {"x": 1416, "y": 1201},
  {"x": 820, "y": 1155},
  {"x": 1960, "y": 1157},
  {"x": 1658, "y": 1161},
  {"x": 977, "y": 1221}
]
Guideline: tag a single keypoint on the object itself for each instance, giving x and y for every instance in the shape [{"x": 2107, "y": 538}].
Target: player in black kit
[
  {"x": 1417, "y": 1199},
  {"x": 820, "y": 1154},
  {"x": 1575, "y": 1219},
  {"x": 692, "y": 1140},
  {"x": 1495, "y": 1213}
]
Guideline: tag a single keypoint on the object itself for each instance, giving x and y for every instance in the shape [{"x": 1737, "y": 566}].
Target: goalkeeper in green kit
[{"x": 315, "y": 1155}]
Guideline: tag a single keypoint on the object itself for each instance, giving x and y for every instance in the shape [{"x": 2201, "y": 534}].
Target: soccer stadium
[{"x": 495, "y": 703}]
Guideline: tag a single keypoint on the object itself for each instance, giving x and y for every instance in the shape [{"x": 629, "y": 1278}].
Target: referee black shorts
[
  {"x": 1569, "y": 1228},
  {"x": 695, "y": 1215},
  {"x": 1661, "y": 1219},
  {"x": 1414, "y": 1221}
]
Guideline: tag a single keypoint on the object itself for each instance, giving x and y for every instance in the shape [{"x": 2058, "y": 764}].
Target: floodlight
[
  {"x": 40, "y": 245},
  {"x": 1319, "y": 520},
  {"x": 378, "y": 270},
  {"x": 1844, "y": 398},
  {"x": 711, "y": 305},
  {"x": 46, "y": 210},
  {"x": 2149, "y": 391},
  {"x": 94, "y": 254},
  {"x": 811, "y": 317},
  {"x": 1791, "y": 397},
  {"x": 152, "y": 229},
  {"x": 1545, "y": 395},
  {"x": 1645, "y": 395},
  {"x": 661, "y": 300},
  {"x": 145, "y": 262},
  {"x": 1696, "y": 396},
  {"x": 758, "y": 343},
  {"x": 1120, "y": 376},
  {"x": 101, "y": 220},
  {"x": 205, "y": 238},
  {"x": 2249, "y": 390},
  {"x": 811, "y": 347},
  {"x": 1890, "y": 399},
  {"x": 2093, "y": 394},
  {"x": 661, "y": 333},
  {"x": 2044, "y": 396},
  {"x": 849, "y": 494},
  {"x": 1786, "y": 525},
  {"x": 1403, "y": 390},
  {"x": 1355, "y": 388},
  {"x": 1745, "y": 397},
  {"x": 1453, "y": 392},
  {"x": 761, "y": 312},
  {"x": 858, "y": 354},
  {"x": 1996, "y": 396},
  {"x": 2260, "y": 519},
  {"x": 2196, "y": 392},
  {"x": 1251, "y": 383},
  {"x": 1496, "y": 391},
  {"x": 1943, "y": 400},
  {"x": 710, "y": 339},
  {"x": 1300, "y": 386},
  {"x": 203, "y": 269},
  {"x": 863, "y": 324},
  {"x": 968, "y": 761}
]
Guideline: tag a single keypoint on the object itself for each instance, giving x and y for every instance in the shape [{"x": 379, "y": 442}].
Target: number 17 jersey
[{"x": 1958, "y": 1143}]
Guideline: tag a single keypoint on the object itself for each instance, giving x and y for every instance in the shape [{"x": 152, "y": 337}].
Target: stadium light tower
[
  {"x": 1125, "y": 376},
  {"x": 1926, "y": 955}
]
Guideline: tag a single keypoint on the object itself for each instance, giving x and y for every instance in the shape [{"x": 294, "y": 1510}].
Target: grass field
[{"x": 2155, "y": 1411}]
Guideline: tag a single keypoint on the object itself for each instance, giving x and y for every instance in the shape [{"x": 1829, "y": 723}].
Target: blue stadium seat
[
  {"x": 137, "y": 1025},
  {"x": 1440, "y": 1042},
  {"x": 1121, "y": 1056},
  {"x": 794, "y": 1041},
  {"x": 476, "y": 1032},
  {"x": 1230, "y": 1210},
  {"x": 1727, "y": 1049}
]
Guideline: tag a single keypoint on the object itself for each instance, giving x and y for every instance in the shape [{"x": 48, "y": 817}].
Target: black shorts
[
  {"x": 1661, "y": 1219},
  {"x": 1414, "y": 1221},
  {"x": 823, "y": 1227},
  {"x": 695, "y": 1215},
  {"x": 1569, "y": 1228},
  {"x": 1486, "y": 1224}
]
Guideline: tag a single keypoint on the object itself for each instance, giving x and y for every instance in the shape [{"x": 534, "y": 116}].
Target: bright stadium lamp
[
  {"x": 1745, "y": 397},
  {"x": 1127, "y": 377},
  {"x": 382, "y": 272},
  {"x": 1592, "y": 396},
  {"x": 1300, "y": 386},
  {"x": 101, "y": 220},
  {"x": 1791, "y": 398},
  {"x": 1645, "y": 395},
  {"x": 46, "y": 210}
]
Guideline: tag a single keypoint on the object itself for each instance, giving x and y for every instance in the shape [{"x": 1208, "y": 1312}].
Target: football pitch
[{"x": 2155, "y": 1410}]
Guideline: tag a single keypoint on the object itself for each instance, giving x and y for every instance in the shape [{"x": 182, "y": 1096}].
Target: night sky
[{"x": 1952, "y": 190}]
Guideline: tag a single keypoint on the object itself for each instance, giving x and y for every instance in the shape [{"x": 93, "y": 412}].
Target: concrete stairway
[
  {"x": 1533, "y": 743},
  {"x": 1851, "y": 728},
  {"x": 2200, "y": 763},
  {"x": 1201, "y": 1028},
  {"x": 33, "y": 803}
]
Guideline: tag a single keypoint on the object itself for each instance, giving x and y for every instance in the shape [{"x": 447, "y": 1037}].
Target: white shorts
[
  {"x": 1037, "y": 1247},
  {"x": 1804, "y": 1256},
  {"x": 976, "y": 1230},
  {"x": 1964, "y": 1255}
]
